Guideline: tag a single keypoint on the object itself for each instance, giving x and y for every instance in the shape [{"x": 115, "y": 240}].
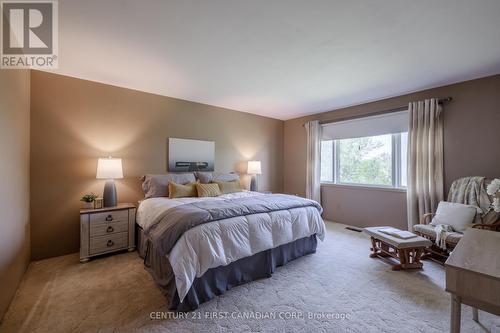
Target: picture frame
[
  {"x": 98, "y": 203},
  {"x": 187, "y": 155}
]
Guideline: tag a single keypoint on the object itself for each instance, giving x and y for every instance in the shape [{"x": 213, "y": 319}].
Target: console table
[{"x": 473, "y": 275}]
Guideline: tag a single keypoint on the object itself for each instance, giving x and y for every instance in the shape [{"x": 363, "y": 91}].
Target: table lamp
[
  {"x": 254, "y": 169},
  {"x": 109, "y": 169}
]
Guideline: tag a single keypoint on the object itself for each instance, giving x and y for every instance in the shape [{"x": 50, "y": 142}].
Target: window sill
[{"x": 366, "y": 187}]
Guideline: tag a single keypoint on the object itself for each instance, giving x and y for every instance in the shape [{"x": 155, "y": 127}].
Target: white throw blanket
[{"x": 442, "y": 232}]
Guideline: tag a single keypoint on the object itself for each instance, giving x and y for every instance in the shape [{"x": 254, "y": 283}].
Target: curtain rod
[{"x": 401, "y": 108}]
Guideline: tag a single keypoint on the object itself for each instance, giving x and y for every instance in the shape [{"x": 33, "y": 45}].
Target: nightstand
[{"x": 106, "y": 230}]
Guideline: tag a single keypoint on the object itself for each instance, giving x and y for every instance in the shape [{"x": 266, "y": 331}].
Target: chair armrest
[
  {"x": 426, "y": 218},
  {"x": 491, "y": 227}
]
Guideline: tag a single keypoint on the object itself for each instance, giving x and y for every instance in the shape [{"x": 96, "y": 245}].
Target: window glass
[{"x": 366, "y": 160}]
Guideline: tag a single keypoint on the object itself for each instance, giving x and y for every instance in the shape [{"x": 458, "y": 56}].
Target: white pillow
[{"x": 458, "y": 216}]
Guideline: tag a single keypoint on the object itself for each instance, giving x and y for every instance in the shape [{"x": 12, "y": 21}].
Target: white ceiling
[{"x": 279, "y": 58}]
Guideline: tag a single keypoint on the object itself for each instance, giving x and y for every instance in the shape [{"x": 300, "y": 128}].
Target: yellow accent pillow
[
  {"x": 229, "y": 187},
  {"x": 208, "y": 190},
  {"x": 181, "y": 191}
]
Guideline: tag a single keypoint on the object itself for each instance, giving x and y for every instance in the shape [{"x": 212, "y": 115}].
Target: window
[{"x": 376, "y": 159}]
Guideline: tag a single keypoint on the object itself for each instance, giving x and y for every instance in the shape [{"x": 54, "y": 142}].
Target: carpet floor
[{"x": 337, "y": 289}]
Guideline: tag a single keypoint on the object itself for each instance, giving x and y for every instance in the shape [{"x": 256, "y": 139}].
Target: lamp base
[
  {"x": 109, "y": 195},
  {"x": 254, "y": 183}
]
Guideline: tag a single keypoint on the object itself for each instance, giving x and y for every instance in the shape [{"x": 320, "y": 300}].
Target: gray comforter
[{"x": 165, "y": 232}]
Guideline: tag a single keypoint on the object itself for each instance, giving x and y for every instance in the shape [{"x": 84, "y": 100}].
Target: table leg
[
  {"x": 456, "y": 310},
  {"x": 475, "y": 315}
]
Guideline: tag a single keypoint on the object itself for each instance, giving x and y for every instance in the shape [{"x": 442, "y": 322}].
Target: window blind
[{"x": 394, "y": 122}]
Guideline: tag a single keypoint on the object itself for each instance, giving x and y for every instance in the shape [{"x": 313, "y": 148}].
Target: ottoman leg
[
  {"x": 418, "y": 255},
  {"x": 374, "y": 248},
  {"x": 402, "y": 256},
  {"x": 410, "y": 258}
]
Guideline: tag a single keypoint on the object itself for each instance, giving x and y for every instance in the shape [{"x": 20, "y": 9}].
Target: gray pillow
[
  {"x": 204, "y": 177},
  {"x": 157, "y": 185},
  {"x": 225, "y": 177},
  {"x": 209, "y": 177}
]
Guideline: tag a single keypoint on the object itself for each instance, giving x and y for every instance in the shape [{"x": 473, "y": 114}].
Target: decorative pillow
[
  {"x": 208, "y": 190},
  {"x": 181, "y": 191},
  {"x": 229, "y": 187},
  {"x": 204, "y": 177},
  {"x": 209, "y": 177},
  {"x": 157, "y": 185},
  {"x": 458, "y": 216},
  {"x": 225, "y": 177}
]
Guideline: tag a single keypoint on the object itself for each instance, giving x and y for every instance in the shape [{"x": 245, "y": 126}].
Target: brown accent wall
[
  {"x": 471, "y": 134},
  {"x": 14, "y": 180},
  {"x": 74, "y": 122}
]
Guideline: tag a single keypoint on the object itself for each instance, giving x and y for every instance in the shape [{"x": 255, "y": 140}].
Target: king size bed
[{"x": 197, "y": 248}]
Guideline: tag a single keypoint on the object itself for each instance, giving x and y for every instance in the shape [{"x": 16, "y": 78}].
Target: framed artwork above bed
[{"x": 185, "y": 155}]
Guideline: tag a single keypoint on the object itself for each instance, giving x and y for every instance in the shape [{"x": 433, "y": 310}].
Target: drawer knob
[
  {"x": 109, "y": 218},
  {"x": 110, "y": 243},
  {"x": 110, "y": 229}
]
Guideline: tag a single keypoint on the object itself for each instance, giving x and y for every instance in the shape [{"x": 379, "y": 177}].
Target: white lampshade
[
  {"x": 109, "y": 168},
  {"x": 254, "y": 168}
]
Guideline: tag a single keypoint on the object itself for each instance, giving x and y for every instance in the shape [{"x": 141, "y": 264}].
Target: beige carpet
[{"x": 340, "y": 284}]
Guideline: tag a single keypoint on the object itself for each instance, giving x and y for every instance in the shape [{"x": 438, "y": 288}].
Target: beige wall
[
  {"x": 14, "y": 177},
  {"x": 75, "y": 121},
  {"x": 471, "y": 132}
]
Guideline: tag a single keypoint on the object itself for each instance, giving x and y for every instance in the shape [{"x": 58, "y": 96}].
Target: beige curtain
[
  {"x": 313, "y": 187},
  {"x": 425, "y": 159}
]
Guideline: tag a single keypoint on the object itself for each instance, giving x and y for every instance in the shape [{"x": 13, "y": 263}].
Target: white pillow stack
[{"x": 458, "y": 216}]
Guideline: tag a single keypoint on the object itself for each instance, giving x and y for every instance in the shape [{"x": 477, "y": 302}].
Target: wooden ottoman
[{"x": 406, "y": 251}]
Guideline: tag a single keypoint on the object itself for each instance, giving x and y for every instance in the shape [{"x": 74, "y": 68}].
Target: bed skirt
[{"x": 217, "y": 280}]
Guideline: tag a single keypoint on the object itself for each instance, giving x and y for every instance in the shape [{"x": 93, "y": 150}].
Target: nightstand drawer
[
  {"x": 107, "y": 228},
  {"x": 116, "y": 215},
  {"x": 107, "y": 243}
]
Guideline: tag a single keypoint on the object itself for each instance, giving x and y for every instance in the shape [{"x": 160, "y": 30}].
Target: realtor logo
[{"x": 29, "y": 34}]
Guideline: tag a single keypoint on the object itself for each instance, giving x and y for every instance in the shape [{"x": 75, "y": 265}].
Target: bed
[{"x": 197, "y": 248}]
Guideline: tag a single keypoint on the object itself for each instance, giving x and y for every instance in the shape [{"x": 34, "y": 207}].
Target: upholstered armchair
[{"x": 469, "y": 191}]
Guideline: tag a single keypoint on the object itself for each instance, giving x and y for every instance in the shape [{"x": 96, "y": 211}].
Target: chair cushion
[
  {"x": 428, "y": 230},
  {"x": 458, "y": 216}
]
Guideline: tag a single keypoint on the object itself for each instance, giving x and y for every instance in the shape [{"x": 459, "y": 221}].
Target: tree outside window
[{"x": 376, "y": 160}]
